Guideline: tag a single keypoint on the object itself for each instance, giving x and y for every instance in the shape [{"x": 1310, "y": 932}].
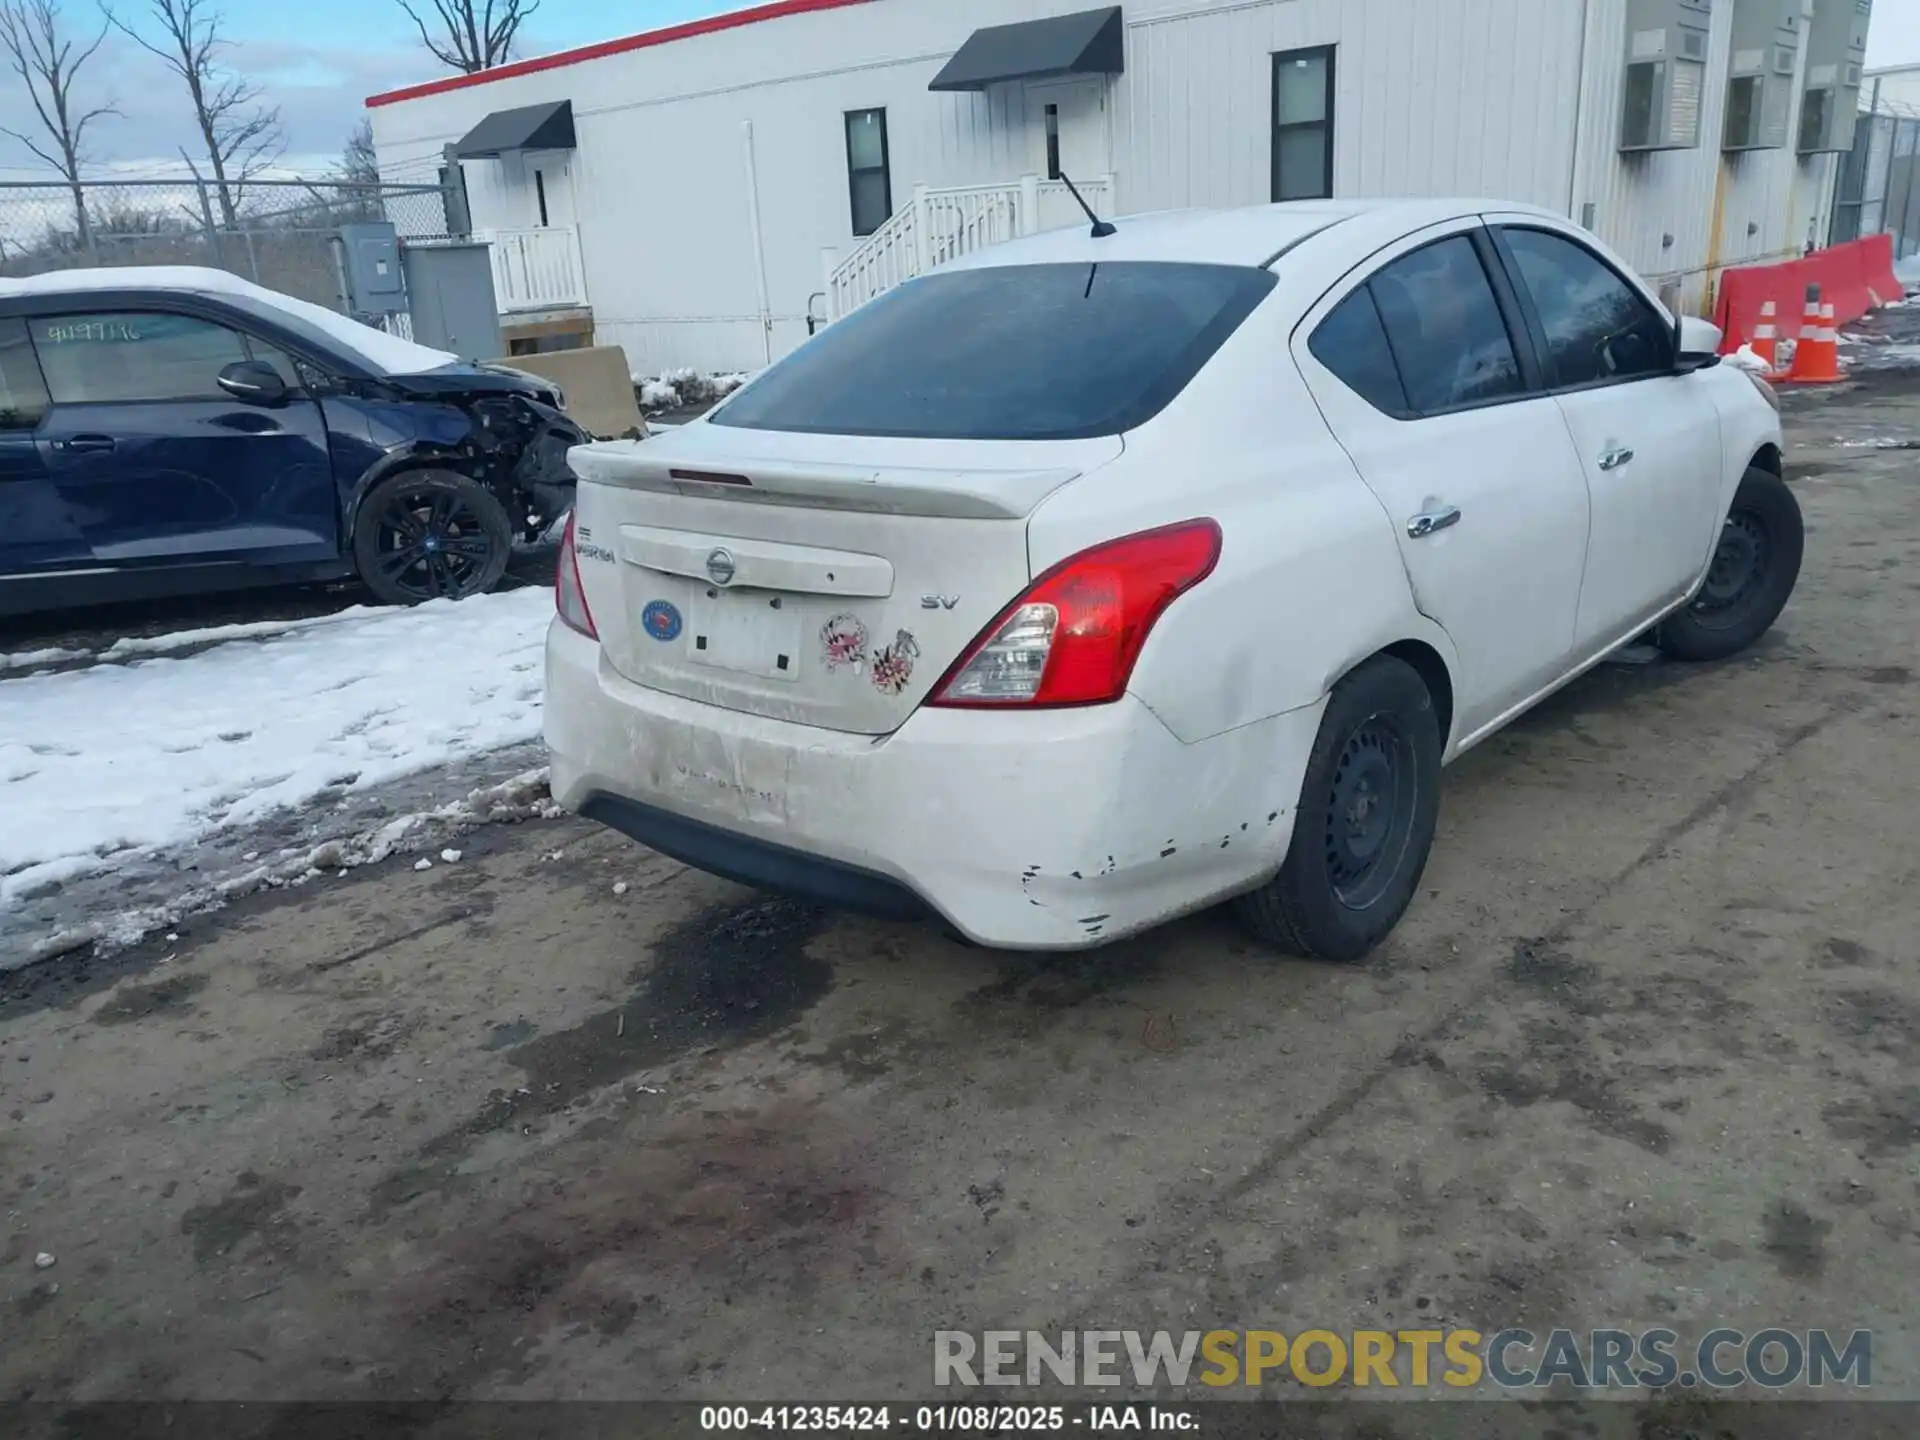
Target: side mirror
[
  {"x": 1699, "y": 344},
  {"x": 255, "y": 382}
]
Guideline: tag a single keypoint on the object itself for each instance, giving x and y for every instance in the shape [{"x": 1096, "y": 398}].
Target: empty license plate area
[{"x": 753, "y": 633}]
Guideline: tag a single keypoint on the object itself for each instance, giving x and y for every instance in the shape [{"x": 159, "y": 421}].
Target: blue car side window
[
  {"x": 23, "y": 394},
  {"x": 117, "y": 357}
]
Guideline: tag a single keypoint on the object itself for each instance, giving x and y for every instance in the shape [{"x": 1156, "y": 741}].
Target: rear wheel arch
[
  {"x": 1429, "y": 656},
  {"x": 1431, "y": 667},
  {"x": 1769, "y": 459},
  {"x": 405, "y": 462}
]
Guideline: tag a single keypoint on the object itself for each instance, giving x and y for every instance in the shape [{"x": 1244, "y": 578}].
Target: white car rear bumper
[{"x": 1043, "y": 830}]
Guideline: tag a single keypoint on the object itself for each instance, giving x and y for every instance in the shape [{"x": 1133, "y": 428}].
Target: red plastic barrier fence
[
  {"x": 1854, "y": 278},
  {"x": 1842, "y": 273},
  {"x": 1744, "y": 290},
  {"x": 1881, "y": 278}
]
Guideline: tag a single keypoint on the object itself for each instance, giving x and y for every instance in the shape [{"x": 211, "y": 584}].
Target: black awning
[
  {"x": 532, "y": 127},
  {"x": 1092, "y": 42}
]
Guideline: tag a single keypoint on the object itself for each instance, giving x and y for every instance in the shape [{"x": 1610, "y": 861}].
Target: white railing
[
  {"x": 942, "y": 225},
  {"x": 536, "y": 269}
]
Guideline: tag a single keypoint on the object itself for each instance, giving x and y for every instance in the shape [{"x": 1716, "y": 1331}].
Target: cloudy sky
[{"x": 320, "y": 58}]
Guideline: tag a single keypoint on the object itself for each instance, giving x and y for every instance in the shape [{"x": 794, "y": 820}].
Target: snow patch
[
  {"x": 659, "y": 395},
  {"x": 1878, "y": 355},
  {"x": 677, "y": 388},
  {"x": 131, "y": 645},
  {"x": 523, "y": 797},
  {"x": 27, "y": 659},
  {"x": 100, "y": 762}
]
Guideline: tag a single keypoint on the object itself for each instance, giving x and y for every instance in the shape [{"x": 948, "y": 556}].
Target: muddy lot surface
[{"x": 566, "y": 1119}]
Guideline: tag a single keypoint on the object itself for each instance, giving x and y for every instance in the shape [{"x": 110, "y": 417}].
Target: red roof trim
[{"x": 686, "y": 31}]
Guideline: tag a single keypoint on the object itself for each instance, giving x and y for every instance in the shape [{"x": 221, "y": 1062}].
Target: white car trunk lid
[{"x": 828, "y": 580}]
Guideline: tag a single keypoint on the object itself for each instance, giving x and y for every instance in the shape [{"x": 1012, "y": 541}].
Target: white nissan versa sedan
[{"x": 1092, "y": 579}]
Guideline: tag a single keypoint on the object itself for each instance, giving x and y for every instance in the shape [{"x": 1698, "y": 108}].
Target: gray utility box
[
  {"x": 450, "y": 295},
  {"x": 1836, "y": 51},
  {"x": 1666, "y": 71},
  {"x": 1766, "y": 55},
  {"x": 370, "y": 269}
]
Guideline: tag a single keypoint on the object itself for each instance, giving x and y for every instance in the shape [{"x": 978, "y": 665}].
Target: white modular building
[{"x": 704, "y": 195}]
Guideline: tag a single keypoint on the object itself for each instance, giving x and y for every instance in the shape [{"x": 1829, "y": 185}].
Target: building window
[
  {"x": 540, "y": 194},
  {"x": 867, "y": 180},
  {"x": 1053, "y": 142},
  {"x": 1303, "y": 124}
]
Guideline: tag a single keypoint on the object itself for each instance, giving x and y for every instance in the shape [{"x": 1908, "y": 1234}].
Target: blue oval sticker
[{"x": 661, "y": 620}]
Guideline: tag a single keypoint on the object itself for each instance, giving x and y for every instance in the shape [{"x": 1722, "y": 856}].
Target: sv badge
[{"x": 939, "y": 602}]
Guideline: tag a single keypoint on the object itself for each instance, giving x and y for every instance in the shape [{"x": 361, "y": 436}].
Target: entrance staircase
[{"x": 942, "y": 225}]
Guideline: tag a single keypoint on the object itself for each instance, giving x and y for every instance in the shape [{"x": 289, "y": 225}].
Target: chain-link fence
[
  {"x": 1879, "y": 186},
  {"x": 277, "y": 233}
]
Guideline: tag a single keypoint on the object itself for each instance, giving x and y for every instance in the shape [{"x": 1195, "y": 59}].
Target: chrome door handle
[
  {"x": 1614, "y": 459},
  {"x": 1428, "y": 522}
]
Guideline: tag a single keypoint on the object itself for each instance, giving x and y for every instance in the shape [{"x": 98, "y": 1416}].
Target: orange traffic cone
[
  {"x": 1766, "y": 336},
  {"x": 1816, "y": 360}
]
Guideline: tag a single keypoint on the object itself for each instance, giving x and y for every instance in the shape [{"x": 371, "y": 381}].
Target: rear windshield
[{"x": 1016, "y": 352}]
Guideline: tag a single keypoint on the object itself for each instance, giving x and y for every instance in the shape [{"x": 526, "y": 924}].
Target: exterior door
[
  {"x": 1648, "y": 439},
  {"x": 1068, "y": 133},
  {"x": 1418, "y": 371},
  {"x": 550, "y": 188},
  {"x": 156, "y": 463},
  {"x": 37, "y": 529}
]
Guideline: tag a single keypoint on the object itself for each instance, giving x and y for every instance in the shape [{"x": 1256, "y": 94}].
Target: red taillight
[
  {"x": 1073, "y": 637},
  {"x": 568, "y": 596}
]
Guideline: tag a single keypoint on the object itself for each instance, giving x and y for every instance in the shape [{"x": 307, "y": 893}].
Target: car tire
[
  {"x": 1755, "y": 567},
  {"x": 1368, "y": 807},
  {"x": 430, "y": 534}
]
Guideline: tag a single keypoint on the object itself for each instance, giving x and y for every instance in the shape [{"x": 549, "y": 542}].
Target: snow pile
[
  {"x": 27, "y": 659},
  {"x": 523, "y": 797},
  {"x": 114, "y": 758},
  {"x": 1907, "y": 271},
  {"x": 661, "y": 394},
  {"x": 678, "y": 388},
  {"x": 1747, "y": 358}
]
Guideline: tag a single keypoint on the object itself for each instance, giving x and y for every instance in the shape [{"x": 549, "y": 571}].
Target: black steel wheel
[
  {"x": 1739, "y": 566},
  {"x": 1368, "y": 821},
  {"x": 1755, "y": 565},
  {"x": 430, "y": 535},
  {"x": 1369, "y": 804}
]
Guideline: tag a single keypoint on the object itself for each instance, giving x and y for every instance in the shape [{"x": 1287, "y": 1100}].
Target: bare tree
[
  {"x": 355, "y": 195},
  {"x": 47, "y": 60},
  {"x": 471, "y": 35},
  {"x": 241, "y": 134},
  {"x": 358, "y": 164}
]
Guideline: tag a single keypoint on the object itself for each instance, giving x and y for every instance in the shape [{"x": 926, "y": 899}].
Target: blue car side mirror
[{"x": 255, "y": 382}]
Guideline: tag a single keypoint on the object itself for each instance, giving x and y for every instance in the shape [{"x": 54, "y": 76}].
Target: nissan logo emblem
[{"x": 720, "y": 567}]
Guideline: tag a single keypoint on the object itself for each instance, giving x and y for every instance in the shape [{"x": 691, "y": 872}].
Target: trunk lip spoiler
[{"x": 943, "y": 491}]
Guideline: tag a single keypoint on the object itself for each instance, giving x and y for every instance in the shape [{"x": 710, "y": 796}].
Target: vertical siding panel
[
  {"x": 1432, "y": 96},
  {"x": 1364, "y": 93}
]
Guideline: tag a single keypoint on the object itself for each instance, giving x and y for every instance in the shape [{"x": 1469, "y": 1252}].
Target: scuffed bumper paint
[{"x": 1045, "y": 830}]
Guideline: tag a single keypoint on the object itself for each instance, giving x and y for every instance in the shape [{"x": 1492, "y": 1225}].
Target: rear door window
[
  {"x": 1445, "y": 328},
  {"x": 115, "y": 358},
  {"x": 23, "y": 394},
  {"x": 1352, "y": 343},
  {"x": 1012, "y": 352}
]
